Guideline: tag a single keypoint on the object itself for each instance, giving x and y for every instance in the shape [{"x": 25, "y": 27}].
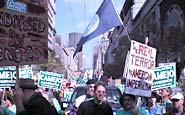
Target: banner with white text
[
  {"x": 50, "y": 80},
  {"x": 7, "y": 76},
  {"x": 165, "y": 76},
  {"x": 26, "y": 72}
]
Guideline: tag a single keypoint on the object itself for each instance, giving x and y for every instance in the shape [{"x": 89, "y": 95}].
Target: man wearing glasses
[{"x": 96, "y": 106}]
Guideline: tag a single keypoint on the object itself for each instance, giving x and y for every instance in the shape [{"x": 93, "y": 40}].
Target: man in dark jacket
[
  {"x": 29, "y": 102},
  {"x": 96, "y": 106}
]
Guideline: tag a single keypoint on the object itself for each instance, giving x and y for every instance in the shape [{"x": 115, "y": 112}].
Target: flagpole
[
  {"x": 123, "y": 24},
  {"x": 126, "y": 32}
]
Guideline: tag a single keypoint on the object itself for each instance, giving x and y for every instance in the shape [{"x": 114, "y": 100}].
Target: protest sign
[
  {"x": 50, "y": 80},
  {"x": 126, "y": 65},
  {"x": 26, "y": 72},
  {"x": 23, "y": 33},
  {"x": 7, "y": 76},
  {"x": 165, "y": 76},
  {"x": 68, "y": 94},
  {"x": 164, "y": 64},
  {"x": 121, "y": 87},
  {"x": 140, "y": 73}
]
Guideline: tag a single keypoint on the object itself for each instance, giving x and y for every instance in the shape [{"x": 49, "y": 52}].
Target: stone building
[{"x": 163, "y": 21}]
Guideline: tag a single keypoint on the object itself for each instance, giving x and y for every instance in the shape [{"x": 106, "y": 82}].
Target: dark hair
[
  {"x": 99, "y": 83},
  {"x": 9, "y": 96},
  {"x": 168, "y": 89},
  {"x": 123, "y": 95},
  {"x": 153, "y": 95},
  {"x": 91, "y": 81},
  {"x": 157, "y": 96}
]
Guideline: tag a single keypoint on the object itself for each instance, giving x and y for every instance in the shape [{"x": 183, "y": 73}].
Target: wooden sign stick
[
  {"x": 146, "y": 40},
  {"x": 17, "y": 76}
]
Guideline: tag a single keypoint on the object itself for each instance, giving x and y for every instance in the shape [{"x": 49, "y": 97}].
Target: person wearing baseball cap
[
  {"x": 89, "y": 89},
  {"x": 177, "y": 99},
  {"x": 177, "y": 95}
]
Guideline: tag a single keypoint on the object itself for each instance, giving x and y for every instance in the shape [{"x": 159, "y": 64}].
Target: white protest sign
[
  {"x": 164, "y": 64},
  {"x": 165, "y": 76},
  {"x": 50, "y": 80},
  {"x": 140, "y": 70},
  {"x": 126, "y": 65}
]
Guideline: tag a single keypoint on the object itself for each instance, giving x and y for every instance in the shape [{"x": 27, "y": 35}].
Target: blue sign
[{"x": 16, "y": 6}]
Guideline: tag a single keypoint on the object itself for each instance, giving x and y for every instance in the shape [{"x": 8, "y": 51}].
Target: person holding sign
[{"x": 30, "y": 102}]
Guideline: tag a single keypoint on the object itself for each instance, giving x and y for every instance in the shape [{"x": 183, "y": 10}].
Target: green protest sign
[
  {"x": 7, "y": 76},
  {"x": 50, "y": 80},
  {"x": 165, "y": 76}
]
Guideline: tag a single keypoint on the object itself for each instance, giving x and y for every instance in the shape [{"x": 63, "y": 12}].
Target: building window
[
  {"x": 175, "y": 17},
  {"x": 173, "y": 28}
]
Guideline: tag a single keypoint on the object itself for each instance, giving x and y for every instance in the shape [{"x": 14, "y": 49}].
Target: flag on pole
[{"x": 105, "y": 19}]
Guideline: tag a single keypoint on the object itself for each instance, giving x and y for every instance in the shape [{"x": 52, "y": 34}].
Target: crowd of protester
[
  {"x": 165, "y": 101},
  {"x": 30, "y": 98}
]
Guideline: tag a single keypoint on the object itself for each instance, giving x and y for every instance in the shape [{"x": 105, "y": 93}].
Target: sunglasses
[{"x": 103, "y": 92}]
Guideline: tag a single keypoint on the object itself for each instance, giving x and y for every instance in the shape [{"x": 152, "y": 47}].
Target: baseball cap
[{"x": 177, "y": 95}]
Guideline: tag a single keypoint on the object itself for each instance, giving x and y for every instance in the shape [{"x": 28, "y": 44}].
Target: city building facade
[
  {"x": 51, "y": 23},
  {"x": 162, "y": 21},
  {"x": 74, "y": 37}
]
